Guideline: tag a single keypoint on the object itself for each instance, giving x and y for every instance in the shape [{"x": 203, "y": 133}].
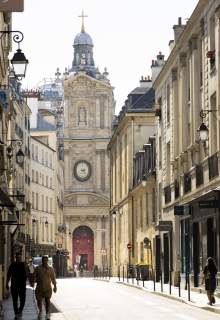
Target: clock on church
[{"x": 82, "y": 170}]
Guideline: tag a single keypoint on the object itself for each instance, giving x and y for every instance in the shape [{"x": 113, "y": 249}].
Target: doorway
[
  {"x": 83, "y": 248},
  {"x": 196, "y": 253},
  {"x": 166, "y": 258}
]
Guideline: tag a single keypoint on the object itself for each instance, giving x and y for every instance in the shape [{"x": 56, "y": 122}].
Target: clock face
[{"x": 82, "y": 170}]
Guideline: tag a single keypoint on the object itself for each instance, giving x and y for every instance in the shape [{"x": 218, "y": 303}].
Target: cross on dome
[{"x": 83, "y": 16}]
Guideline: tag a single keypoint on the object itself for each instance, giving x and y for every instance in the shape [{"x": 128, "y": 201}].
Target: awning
[{"x": 5, "y": 201}]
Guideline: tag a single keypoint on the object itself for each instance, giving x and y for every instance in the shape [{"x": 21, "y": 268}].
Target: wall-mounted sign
[
  {"x": 4, "y": 99},
  {"x": 205, "y": 204},
  {"x": 11, "y": 5}
]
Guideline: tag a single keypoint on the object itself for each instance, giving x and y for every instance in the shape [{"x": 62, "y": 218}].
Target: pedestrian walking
[
  {"x": 209, "y": 276},
  {"x": 17, "y": 273},
  {"x": 31, "y": 273},
  {"x": 44, "y": 275}
]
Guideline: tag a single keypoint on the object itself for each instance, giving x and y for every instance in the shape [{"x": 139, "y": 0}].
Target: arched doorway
[{"x": 83, "y": 247}]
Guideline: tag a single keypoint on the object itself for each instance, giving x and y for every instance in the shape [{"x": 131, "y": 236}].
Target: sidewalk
[
  {"x": 197, "y": 299},
  {"x": 30, "y": 309}
]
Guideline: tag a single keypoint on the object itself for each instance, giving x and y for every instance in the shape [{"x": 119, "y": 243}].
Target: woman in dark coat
[{"x": 209, "y": 275}]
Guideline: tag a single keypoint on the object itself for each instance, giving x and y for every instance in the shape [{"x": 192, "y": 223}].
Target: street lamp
[
  {"x": 203, "y": 129},
  {"x": 20, "y": 157},
  {"x": 19, "y": 61},
  {"x": 19, "y": 64},
  {"x": 203, "y": 132}
]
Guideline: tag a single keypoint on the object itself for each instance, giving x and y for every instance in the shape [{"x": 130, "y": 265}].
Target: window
[
  {"x": 47, "y": 159},
  {"x": 47, "y": 232},
  {"x": 33, "y": 200},
  {"x": 42, "y": 200},
  {"x": 50, "y": 160},
  {"x": 32, "y": 151},
  {"x": 147, "y": 220},
  {"x": 46, "y": 181},
  {"x": 168, "y": 104},
  {"x": 46, "y": 204},
  {"x": 51, "y": 209},
  {"x": 51, "y": 183},
  {"x": 42, "y": 180},
  {"x": 42, "y": 225},
  {"x": 51, "y": 232},
  {"x": 153, "y": 206},
  {"x": 141, "y": 214},
  {"x": 33, "y": 175},
  {"x": 37, "y": 177},
  {"x": 36, "y": 153},
  {"x": 37, "y": 201},
  {"x": 42, "y": 156}
]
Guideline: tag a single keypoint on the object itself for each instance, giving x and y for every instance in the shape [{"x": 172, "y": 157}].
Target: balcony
[
  {"x": 167, "y": 194},
  {"x": 187, "y": 182},
  {"x": 213, "y": 166},
  {"x": 199, "y": 175}
]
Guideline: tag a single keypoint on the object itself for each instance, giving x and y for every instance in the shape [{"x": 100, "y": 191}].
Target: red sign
[
  {"x": 129, "y": 246},
  {"x": 11, "y": 5}
]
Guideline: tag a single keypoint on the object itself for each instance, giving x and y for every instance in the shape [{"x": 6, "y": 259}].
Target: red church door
[{"x": 83, "y": 247}]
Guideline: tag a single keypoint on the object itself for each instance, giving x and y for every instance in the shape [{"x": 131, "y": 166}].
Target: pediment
[
  {"x": 86, "y": 199},
  {"x": 83, "y": 80}
]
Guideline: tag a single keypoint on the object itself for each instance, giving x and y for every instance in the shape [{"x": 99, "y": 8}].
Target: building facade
[
  {"x": 88, "y": 113},
  {"x": 187, "y": 95},
  {"x": 131, "y": 200},
  {"x": 43, "y": 198}
]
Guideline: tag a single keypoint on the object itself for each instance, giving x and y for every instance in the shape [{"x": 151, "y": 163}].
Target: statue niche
[{"x": 82, "y": 116}]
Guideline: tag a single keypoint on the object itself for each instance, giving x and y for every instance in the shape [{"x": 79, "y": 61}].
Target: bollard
[
  {"x": 123, "y": 273},
  {"x": 109, "y": 273},
  {"x": 170, "y": 281},
  {"x": 161, "y": 281},
  {"x": 154, "y": 281},
  {"x": 179, "y": 285},
  {"x": 188, "y": 280},
  {"x": 143, "y": 281}
]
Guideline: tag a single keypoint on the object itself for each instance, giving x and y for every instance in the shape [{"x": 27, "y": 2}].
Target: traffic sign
[{"x": 129, "y": 246}]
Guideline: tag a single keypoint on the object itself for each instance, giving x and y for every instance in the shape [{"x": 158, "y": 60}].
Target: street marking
[
  {"x": 165, "y": 309},
  {"x": 182, "y": 316}
]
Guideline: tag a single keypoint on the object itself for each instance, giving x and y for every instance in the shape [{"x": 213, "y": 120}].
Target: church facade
[{"x": 88, "y": 113}]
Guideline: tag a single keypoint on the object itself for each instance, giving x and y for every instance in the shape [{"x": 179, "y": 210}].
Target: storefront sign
[
  {"x": 164, "y": 226},
  {"x": 11, "y": 5},
  {"x": 205, "y": 204}
]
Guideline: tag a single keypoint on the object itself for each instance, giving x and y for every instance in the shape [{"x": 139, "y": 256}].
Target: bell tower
[{"x": 88, "y": 112}]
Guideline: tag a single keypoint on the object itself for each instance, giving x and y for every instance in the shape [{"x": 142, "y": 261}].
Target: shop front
[{"x": 200, "y": 234}]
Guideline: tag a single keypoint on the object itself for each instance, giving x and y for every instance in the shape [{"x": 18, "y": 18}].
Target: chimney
[
  {"x": 157, "y": 65},
  {"x": 145, "y": 82},
  {"x": 178, "y": 29}
]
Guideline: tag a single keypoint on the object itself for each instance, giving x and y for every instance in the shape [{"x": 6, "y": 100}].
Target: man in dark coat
[{"x": 17, "y": 273}]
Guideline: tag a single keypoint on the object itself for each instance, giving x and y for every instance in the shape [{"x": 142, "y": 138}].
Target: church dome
[{"x": 83, "y": 38}]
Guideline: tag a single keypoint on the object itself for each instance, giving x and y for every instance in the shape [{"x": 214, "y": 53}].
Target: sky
[{"x": 127, "y": 36}]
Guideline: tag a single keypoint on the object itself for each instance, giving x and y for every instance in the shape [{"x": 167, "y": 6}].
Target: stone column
[
  {"x": 97, "y": 113},
  {"x": 98, "y": 169}
]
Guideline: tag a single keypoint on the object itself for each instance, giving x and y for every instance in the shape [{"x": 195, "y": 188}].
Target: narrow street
[{"x": 80, "y": 299}]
